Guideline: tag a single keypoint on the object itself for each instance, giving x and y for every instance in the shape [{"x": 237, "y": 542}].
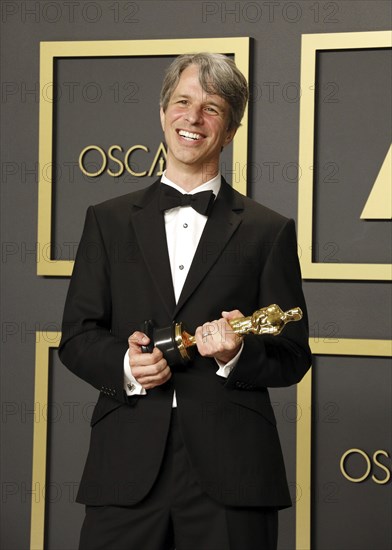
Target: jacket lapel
[
  {"x": 149, "y": 226},
  {"x": 224, "y": 220}
]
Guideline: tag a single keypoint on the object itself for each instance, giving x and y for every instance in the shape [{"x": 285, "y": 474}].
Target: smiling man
[
  {"x": 197, "y": 125},
  {"x": 185, "y": 457}
]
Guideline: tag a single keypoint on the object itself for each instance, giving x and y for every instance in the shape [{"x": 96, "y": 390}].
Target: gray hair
[{"x": 218, "y": 74}]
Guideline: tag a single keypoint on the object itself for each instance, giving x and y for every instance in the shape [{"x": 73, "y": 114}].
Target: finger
[
  {"x": 149, "y": 382},
  {"x": 227, "y": 317},
  {"x": 215, "y": 337},
  {"x": 156, "y": 374},
  {"x": 139, "y": 359},
  {"x": 213, "y": 330},
  {"x": 230, "y": 338},
  {"x": 210, "y": 330},
  {"x": 138, "y": 339},
  {"x": 234, "y": 314},
  {"x": 227, "y": 338},
  {"x": 206, "y": 338}
]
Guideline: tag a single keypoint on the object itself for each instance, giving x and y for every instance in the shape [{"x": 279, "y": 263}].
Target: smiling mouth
[{"x": 189, "y": 135}]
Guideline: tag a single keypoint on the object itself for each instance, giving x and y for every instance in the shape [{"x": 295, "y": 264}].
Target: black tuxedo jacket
[{"x": 246, "y": 259}]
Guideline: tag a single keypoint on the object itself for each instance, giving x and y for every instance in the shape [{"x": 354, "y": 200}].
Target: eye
[{"x": 211, "y": 110}]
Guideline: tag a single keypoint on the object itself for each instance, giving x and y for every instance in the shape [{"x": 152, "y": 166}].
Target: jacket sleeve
[
  {"x": 277, "y": 361},
  {"x": 88, "y": 347}
]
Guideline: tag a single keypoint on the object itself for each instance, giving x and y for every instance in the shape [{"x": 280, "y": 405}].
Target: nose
[{"x": 194, "y": 114}]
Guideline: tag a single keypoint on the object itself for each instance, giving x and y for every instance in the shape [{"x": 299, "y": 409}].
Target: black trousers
[{"x": 176, "y": 514}]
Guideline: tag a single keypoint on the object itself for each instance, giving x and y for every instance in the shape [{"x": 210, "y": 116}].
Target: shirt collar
[{"x": 210, "y": 185}]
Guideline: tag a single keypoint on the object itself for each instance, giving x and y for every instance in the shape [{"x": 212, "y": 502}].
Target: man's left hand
[{"x": 217, "y": 339}]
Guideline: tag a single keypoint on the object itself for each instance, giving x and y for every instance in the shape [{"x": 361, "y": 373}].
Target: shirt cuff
[
  {"x": 131, "y": 385},
  {"x": 226, "y": 368}
]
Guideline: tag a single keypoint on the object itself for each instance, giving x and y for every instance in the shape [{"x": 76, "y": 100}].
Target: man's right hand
[{"x": 149, "y": 369}]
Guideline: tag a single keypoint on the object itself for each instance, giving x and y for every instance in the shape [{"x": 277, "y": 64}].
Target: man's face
[{"x": 195, "y": 124}]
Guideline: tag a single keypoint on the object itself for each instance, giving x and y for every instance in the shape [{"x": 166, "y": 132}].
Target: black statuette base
[{"x": 164, "y": 339}]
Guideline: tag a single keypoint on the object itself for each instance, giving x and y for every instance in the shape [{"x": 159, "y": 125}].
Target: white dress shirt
[{"x": 184, "y": 227}]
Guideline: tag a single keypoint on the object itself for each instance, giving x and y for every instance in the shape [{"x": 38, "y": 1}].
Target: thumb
[{"x": 234, "y": 314}]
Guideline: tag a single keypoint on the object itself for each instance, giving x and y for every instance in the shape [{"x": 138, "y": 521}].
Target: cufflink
[{"x": 131, "y": 387}]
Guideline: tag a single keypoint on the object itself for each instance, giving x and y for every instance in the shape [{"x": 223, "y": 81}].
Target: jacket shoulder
[
  {"x": 127, "y": 200},
  {"x": 121, "y": 206},
  {"x": 258, "y": 214},
  {"x": 260, "y": 210}
]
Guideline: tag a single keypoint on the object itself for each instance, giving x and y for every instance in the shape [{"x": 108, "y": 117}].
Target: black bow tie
[{"x": 171, "y": 198}]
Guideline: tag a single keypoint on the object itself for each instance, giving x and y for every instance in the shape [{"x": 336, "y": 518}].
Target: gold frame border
[
  {"x": 355, "y": 347},
  {"x": 311, "y": 43},
  {"x": 342, "y": 347},
  {"x": 40, "y": 436},
  {"x": 239, "y": 46}
]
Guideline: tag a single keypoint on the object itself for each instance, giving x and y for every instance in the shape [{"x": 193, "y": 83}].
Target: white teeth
[{"x": 189, "y": 135}]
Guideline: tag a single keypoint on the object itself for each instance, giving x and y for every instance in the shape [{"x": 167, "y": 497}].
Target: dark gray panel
[
  {"x": 353, "y": 136},
  {"x": 70, "y": 408},
  {"x": 352, "y": 409}
]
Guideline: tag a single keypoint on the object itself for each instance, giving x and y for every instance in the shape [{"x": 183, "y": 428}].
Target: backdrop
[{"x": 80, "y": 124}]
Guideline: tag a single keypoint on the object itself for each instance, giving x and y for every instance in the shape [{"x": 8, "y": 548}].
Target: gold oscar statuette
[{"x": 177, "y": 345}]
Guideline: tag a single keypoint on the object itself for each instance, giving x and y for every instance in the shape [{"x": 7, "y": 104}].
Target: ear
[
  {"x": 229, "y": 136},
  {"x": 163, "y": 118}
]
